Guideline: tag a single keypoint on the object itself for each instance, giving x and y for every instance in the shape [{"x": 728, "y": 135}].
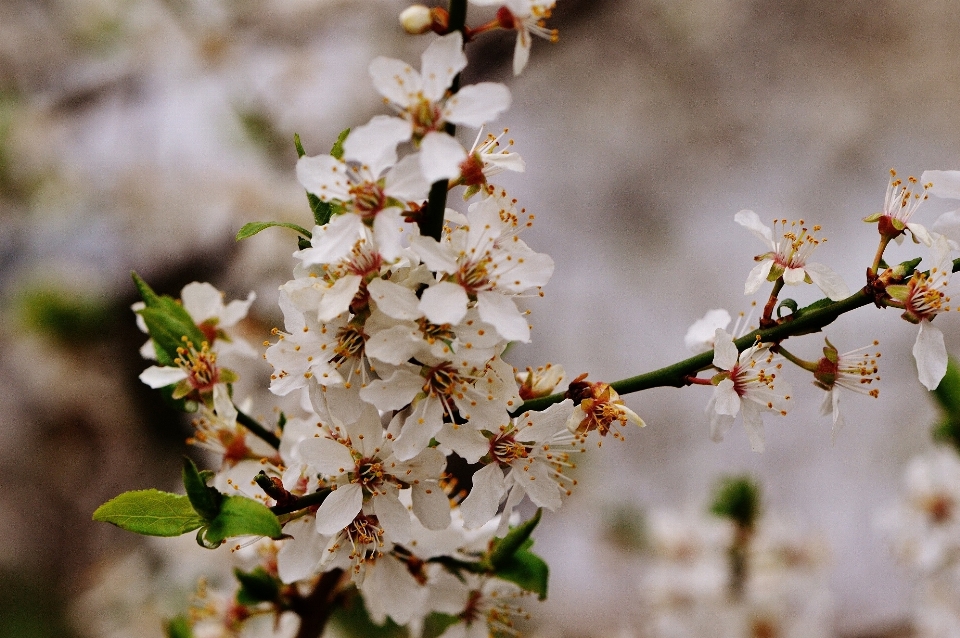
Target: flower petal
[
  {"x": 324, "y": 176},
  {"x": 502, "y": 313},
  {"x": 725, "y": 353},
  {"x": 753, "y": 424},
  {"x": 325, "y": 455},
  {"x": 162, "y": 376},
  {"x": 700, "y": 336},
  {"x": 828, "y": 281},
  {"x": 445, "y": 302},
  {"x": 440, "y": 156},
  {"x": 757, "y": 276},
  {"x": 339, "y": 509},
  {"x": 477, "y": 104},
  {"x": 431, "y": 505},
  {"x": 945, "y": 183},
  {"x": 481, "y": 504},
  {"x": 394, "y": 300},
  {"x": 726, "y": 399},
  {"x": 440, "y": 62},
  {"x": 374, "y": 144},
  {"x": 931, "y": 355},
  {"x": 751, "y": 221},
  {"x": 396, "y": 80}
]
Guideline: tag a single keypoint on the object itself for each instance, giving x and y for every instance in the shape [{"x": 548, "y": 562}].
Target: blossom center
[
  {"x": 200, "y": 365},
  {"x": 504, "y": 448},
  {"x": 368, "y": 200}
]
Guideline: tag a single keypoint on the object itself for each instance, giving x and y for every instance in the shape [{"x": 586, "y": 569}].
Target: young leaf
[
  {"x": 251, "y": 229},
  {"x": 150, "y": 512},
  {"x": 205, "y": 500},
  {"x": 146, "y": 292},
  {"x": 737, "y": 498},
  {"x": 515, "y": 540},
  {"x": 241, "y": 516},
  {"x": 527, "y": 570},
  {"x": 256, "y": 587}
]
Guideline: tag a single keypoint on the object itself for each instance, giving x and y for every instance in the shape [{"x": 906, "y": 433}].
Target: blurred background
[{"x": 141, "y": 134}]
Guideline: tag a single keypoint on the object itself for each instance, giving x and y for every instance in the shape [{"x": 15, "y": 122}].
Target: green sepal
[
  {"x": 204, "y": 499},
  {"x": 178, "y": 627},
  {"x": 787, "y": 303},
  {"x": 501, "y": 549},
  {"x": 252, "y": 228},
  {"x": 737, "y": 498},
  {"x": 151, "y": 513},
  {"x": 240, "y": 516},
  {"x": 948, "y": 392},
  {"x": 281, "y": 421},
  {"x": 872, "y": 219},
  {"x": 526, "y": 569},
  {"x": 303, "y": 244},
  {"x": 905, "y": 269},
  {"x": 256, "y": 587},
  {"x": 299, "y": 145},
  {"x": 337, "y": 150}
]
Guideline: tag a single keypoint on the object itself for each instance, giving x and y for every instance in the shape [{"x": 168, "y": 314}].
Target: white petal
[
  {"x": 390, "y": 590},
  {"x": 477, "y": 104},
  {"x": 725, "y": 354},
  {"x": 828, "y": 281},
  {"x": 720, "y": 424},
  {"x": 387, "y": 232},
  {"x": 374, "y": 144},
  {"x": 441, "y": 61},
  {"x": 394, "y": 345},
  {"x": 223, "y": 404},
  {"x": 700, "y": 336},
  {"x": 757, "y": 276},
  {"x": 931, "y": 355},
  {"x": 726, "y": 399},
  {"x": 333, "y": 241},
  {"x": 521, "y": 53},
  {"x": 336, "y": 300},
  {"x": 162, "y": 376},
  {"x": 945, "y": 183},
  {"x": 465, "y": 440},
  {"x": 948, "y": 224},
  {"x": 481, "y": 504},
  {"x": 431, "y": 505},
  {"x": 538, "y": 484},
  {"x": 838, "y": 422},
  {"x": 753, "y": 424},
  {"x": 794, "y": 276},
  {"x": 920, "y": 233},
  {"x": 445, "y": 302},
  {"x": 405, "y": 181},
  {"x": 299, "y": 556},
  {"x": 339, "y": 509},
  {"x": 422, "y": 425},
  {"x": 435, "y": 255},
  {"x": 236, "y": 310},
  {"x": 394, "y": 300},
  {"x": 324, "y": 176},
  {"x": 393, "y": 516},
  {"x": 202, "y": 301},
  {"x": 396, "y": 80},
  {"x": 325, "y": 455},
  {"x": 501, "y": 312},
  {"x": 751, "y": 221},
  {"x": 393, "y": 393},
  {"x": 440, "y": 157}
]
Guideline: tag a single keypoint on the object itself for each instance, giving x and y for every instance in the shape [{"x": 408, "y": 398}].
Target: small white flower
[
  {"x": 922, "y": 299},
  {"x": 422, "y": 100},
  {"x": 528, "y": 18},
  {"x": 787, "y": 257},
  {"x": 851, "y": 371},
  {"x": 900, "y": 203},
  {"x": 748, "y": 383}
]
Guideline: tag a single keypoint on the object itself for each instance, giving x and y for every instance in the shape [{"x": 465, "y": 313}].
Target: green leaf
[
  {"x": 527, "y": 570},
  {"x": 167, "y": 322},
  {"x": 256, "y": 587},
  {"x": 299, "y": 145},
  {"x": 179, "y": 627},
  {"x": 251, "y": 229},
  {"x": 322, "y": 211},
  {"x": 948, "y": 392},
  {"x": 515, "y": 540},
  {"x": 337, "y": 150},
  {"x": 150, "y": 512},
  {"x": 146, "y": 292},
  {"x": 789, "y": 304},
  {"x": 241, "y": 516},
  {"x": 205, "y": 500}
]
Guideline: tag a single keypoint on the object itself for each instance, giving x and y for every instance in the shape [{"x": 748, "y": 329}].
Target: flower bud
[{"x": 416, "y": 19}]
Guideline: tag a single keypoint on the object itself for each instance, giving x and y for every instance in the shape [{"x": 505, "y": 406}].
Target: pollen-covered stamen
[
  {"x": 369, "y": 473},
  {"x": 426, "y": 116},
  {"x": 368, "y": 200},
  {"x": 925, "y": 298},
  {"x": 902, "y": 200},
  {"x": 505, "y": 449},
  {"x": 433, "y": 332},
  {"x": 214, "y": 435},
  {"x": 796, "y": 244},
  {"x": 747, "y": 376},
  {"x": 200, "y": 365},
  {"x": 351, "y": 340},
  {"x": 494, "y": 608},
  {"x": 474, "y": 275},
  {"x": 365, "y": 537}
]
